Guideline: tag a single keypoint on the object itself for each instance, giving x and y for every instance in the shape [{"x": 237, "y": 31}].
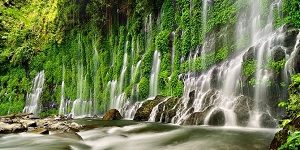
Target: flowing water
[
  {"x": 33, "y": 104},
  {"x": 129, "y": 135},
  {"x": 154, "y": 74},
  {"x": 62, "y": 106}
]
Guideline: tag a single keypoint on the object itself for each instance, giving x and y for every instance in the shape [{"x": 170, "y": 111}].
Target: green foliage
[
  {"x": 249, "y": 68},
  {"x": 293, "y": 103},
  {"x": 291, "y": 12},
  {"x": 276, "y": 66},
  {"x": 143, "y": 87},
  {"x": 210, "y": 59},
  {"x": 94, "y": 35},
  {"x": 293, "y": 141}
]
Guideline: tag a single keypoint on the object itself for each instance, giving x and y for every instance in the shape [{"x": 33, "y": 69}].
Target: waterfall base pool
[{"x": 130, "y": 135}]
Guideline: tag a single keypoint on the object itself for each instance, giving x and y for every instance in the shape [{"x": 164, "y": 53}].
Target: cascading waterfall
[
  {"x": 62, "y": 106},
  {"x": 155, "y": 110},
  {"x": 289, "y": 65},
  {"x": 117, "y": 96},
  {"x": 154, "y": 74},
  {"x": 33, "y": 99},
  {"x": 220, "y": 88}
]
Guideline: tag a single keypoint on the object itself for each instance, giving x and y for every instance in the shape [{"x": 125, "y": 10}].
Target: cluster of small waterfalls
[{"x": 221, "y": 88}]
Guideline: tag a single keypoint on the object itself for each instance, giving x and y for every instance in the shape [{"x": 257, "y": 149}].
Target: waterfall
[
  {"x": 117, "y": 96},
  {"x": 154, "y": 74},
  {"x": 289, "y": 65},
  {"x": 33, "y": 99},
  {"x": 81, "y": 109},
  {"x": 204, "y": 15},
  {"x": 62, "y": 106},
  {"x": 155, "y": 110}
]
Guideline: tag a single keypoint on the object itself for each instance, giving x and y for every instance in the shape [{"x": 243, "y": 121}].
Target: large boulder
[
  {"x": 267, "y": 121},
  {"x": 112, "y": 114},
  {"x": 290, "y": 39},
  {"x": 28, "y": 123},
  {"x": 143, "y": 113},
  {"x": 242, "y": 108},
  {"x": 281, "y": 137},
  {"x": 191, "y": 98},
  {"x": 278, "y": 53},
  {"x": 297, "y": 60},
  {"x": 209, "y": 98},
  {"x": 11, "y": 128},
  {"x": 38, "y": 131},
  {"x": 197, "y": 118},
  {"x": 167, "y": 110},
  {"x": 250, "y": 54},
  {"x": 217, "y": 118}
]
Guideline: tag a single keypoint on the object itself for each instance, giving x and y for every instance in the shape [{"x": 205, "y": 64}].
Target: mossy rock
[
  {"x": 112, "y": 114},
  {"x": 282, "y": 136},
  {"x": 143, "y": 113},
  {"x": 197, "y": 118}
]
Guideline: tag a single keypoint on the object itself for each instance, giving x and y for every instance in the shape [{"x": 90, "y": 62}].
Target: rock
[
  {"x": 11, "y": 128},
  {"x": 281, "y": 137},
  {"x": 250, "y": 54},
  {"x": 297, "y": 61},
  {"x": 242, "y": 108},
  {"x": 39, "y": 131},
  {"x": 143, "y": 113},
  {"x": 278, "y": 53},
  {"x": 168, "y": 111},
  {"x": 209, "y": 97},
  {"x": 69, "y": 135},
  {"x": 112, "y": 114},
  {"x": 217, "y": 118},
  {"x": 28, "y": 123},
  {"x": 290, "y": 39},
  {"x": 197, "y": 118},
  {"x": 266, "y": 121},
  {"x": 214, "y": 78},
  {"x": 191, "y": 98}
]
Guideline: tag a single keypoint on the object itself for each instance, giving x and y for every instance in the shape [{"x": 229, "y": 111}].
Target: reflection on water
[{"x": 129, "y": 135}]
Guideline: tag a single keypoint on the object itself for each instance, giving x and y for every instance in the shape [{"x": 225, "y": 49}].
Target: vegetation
[{"x": 91, "y": 39}]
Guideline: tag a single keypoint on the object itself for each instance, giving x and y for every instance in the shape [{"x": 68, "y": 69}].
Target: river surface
[{"x": 130, "y": 135}]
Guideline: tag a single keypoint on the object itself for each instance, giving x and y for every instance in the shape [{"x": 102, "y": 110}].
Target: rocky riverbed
[{"x": 17, "y": 123}]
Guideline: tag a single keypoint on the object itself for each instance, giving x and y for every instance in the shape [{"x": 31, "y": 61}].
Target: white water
[
  {"x": 289, "y": 65},
  {"x": 154, "y": 74},
  {"x": 155, "y": 110},
  {"x": 81, "y": 109},
  {"x": 62, "y": 106},
  {"x": 33, "y": 104},
  {"x": 117, "y": 95}
]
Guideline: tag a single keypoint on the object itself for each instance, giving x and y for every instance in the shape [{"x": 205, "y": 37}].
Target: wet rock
[
  {"x": 267, "y": 121},
  {"x": 11, "y": 128},
  {"x": 242, "y": 108},
  {"x": 278, "y": 53},
  {"x": 197, "y": 118},
  {"x": 297, "y": 60},
  {"x": 28, "y": 123},
  {"x": 143, "y": 113},
  {"x": 281, "y": 137},
  {"x": 191, "y": 98},
  {"x": 167, "y": 110},
  {"x": 209, "y": 98},
  {"x": 69, "y": 135},
  {"x": 39, "y": 131},
  {"x": 250, "y": 54},
  {"x": 217, "y": 118},
  {"x": 214, "y": 78},
  {"x": 290, "y": 39},
  {"x": 112, "y": 114}
]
